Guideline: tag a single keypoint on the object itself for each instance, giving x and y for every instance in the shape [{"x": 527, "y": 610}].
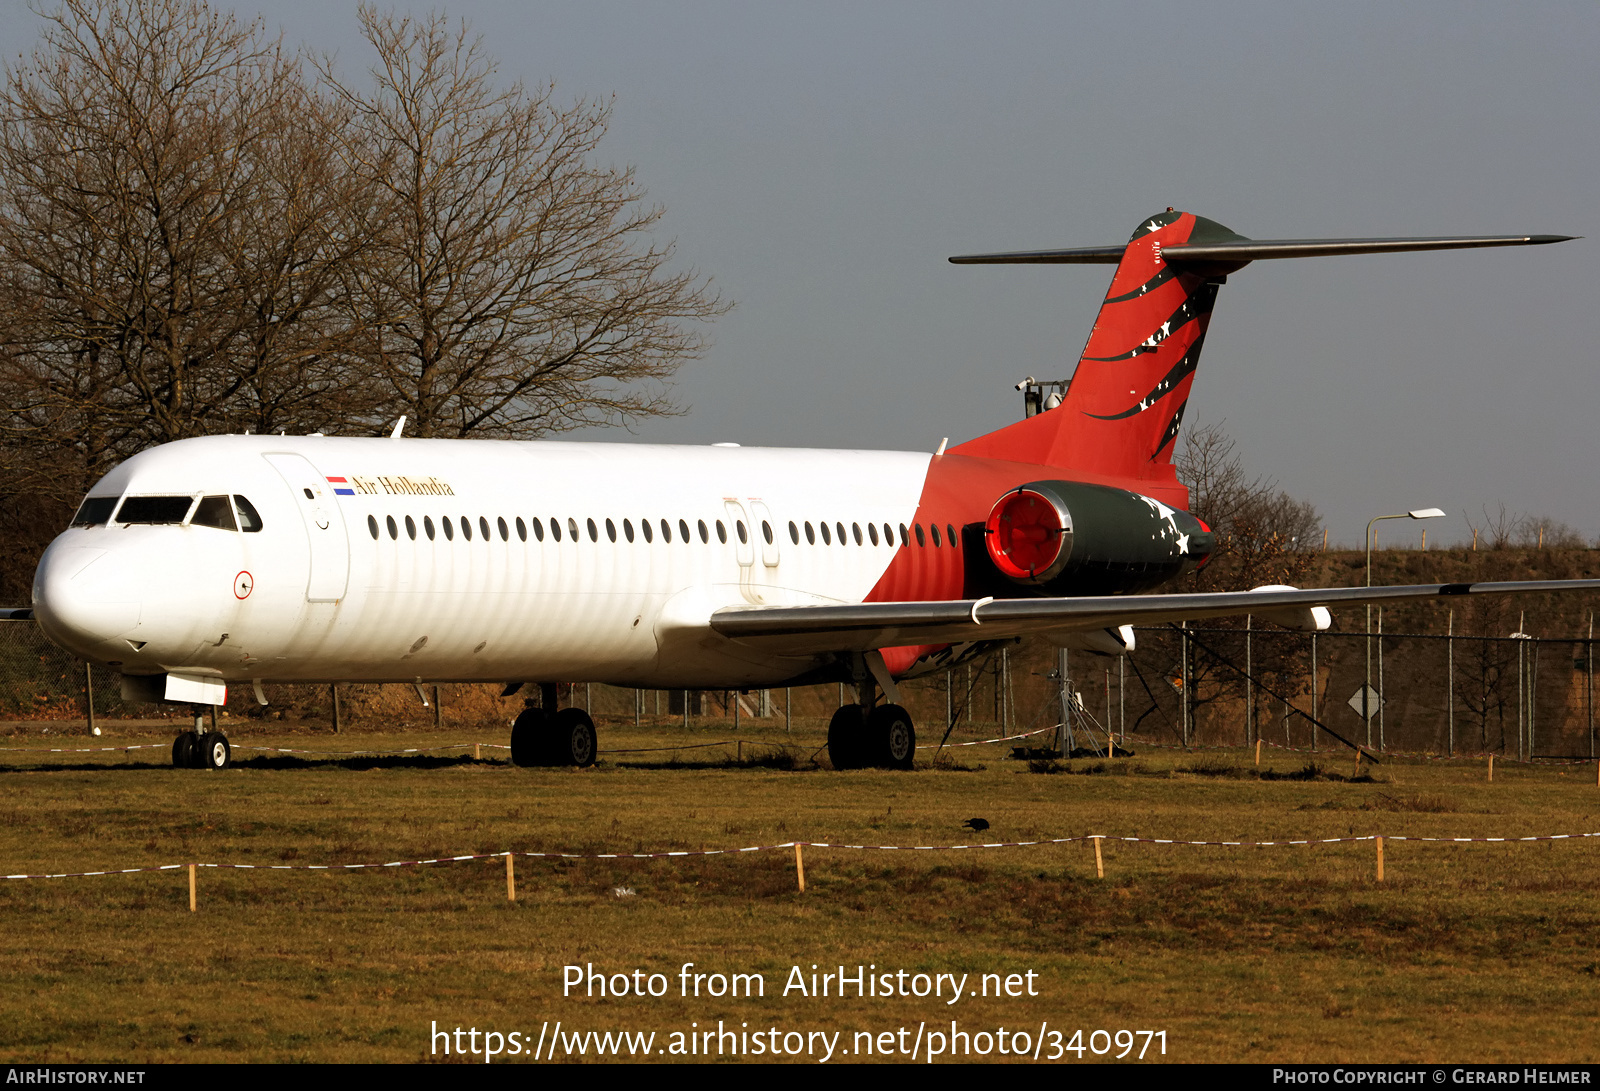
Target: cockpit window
[
  {"x": 249, "y": 520},
  {"x": 95, "y": 511},
  {"x": 154, "y": 509},
  {"x": 214, "y": 511}
]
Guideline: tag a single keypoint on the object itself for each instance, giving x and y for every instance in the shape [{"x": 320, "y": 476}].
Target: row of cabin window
[{"x": 645, "y": 529}]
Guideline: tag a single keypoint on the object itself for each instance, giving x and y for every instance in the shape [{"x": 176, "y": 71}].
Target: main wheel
[
  {"x": 183, "y": 751},
  {"x": 890, "y": 737},
  {"x": 527, "y": 735},
  {"x": 846, "y": 733},
  {"x": 214, "y": 751},
  {"x": 572, "y": 738}
]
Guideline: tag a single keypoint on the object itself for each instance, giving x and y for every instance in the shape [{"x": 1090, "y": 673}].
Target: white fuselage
[{"x": 343, "y": 581}]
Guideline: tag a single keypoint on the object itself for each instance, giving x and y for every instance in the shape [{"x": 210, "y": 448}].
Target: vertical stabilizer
[{"x": 1122, "y": 411}]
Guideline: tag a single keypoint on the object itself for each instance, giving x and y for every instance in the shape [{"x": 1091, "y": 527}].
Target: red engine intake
[{"x": 1029, "y": 535}]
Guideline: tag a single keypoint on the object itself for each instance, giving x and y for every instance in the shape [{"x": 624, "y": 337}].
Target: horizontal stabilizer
[
  {"x": 1258, "y": 249},
  {"x": 801, "y": 630}
]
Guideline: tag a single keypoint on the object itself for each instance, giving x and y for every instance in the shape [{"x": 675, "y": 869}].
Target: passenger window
[
  {"x": 921, "y": 541},
  {"x": 644, "y": 525},
  {"x": 794, "y": 533},
  {"x": 538, "y": 529},
  {"x": 611, "y": 530},
  {"x": 411, "y": 528},
  {"x": 933, "y": 529},
  {"x": 427, "y": 526},
  {"x": 722, "y": 533},
  {"x": 594, "y": 531},
  {"x": 555, "y": 528},
  {"x": 840, "y": 528},
  {"x": 372, "y": 526},
  {"x": 466, "y": 529},
  {"x": 94, "y": 511},
  {"x": 683, "y": 531},
  {"x": 572, "y": 528},
  {"x": 449, "y": 528},
  {"x": 811, "y": 537},
  {"x": 738, "y": 525},
  {"x": 856, "y": 529},
  {"x": 888, "y": 535},
  {"x": 505, "y": 531},
  {"x": 214, "y": 511},
  {"x": 766, "y": 531},
  {"x": 872, "y": 532},
  {"x": 666, "y": 532},
  {"x": 905, "y": 539},
  {"x": 827, "y": 538},
  {"x": 154, "y": 509},
  {"x": 394, "y": 531},
  {"x": 522, "y": 530},
  {"x": 483, "y": 526},
  {"x": 705, "y": 535},
  {"x": 950, "y": 533}
]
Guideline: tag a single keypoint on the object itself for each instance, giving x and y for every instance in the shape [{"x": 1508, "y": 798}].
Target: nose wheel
[{"x": 201, "y": 749}]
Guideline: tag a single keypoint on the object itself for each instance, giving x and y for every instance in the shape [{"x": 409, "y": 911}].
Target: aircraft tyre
[
  {"x": 890, "y": 737},
  {"x": 571, "y": 738},
  {"x": 183, "y": 751},
  {"x": 213, "y": 751},
  {"x": 846, "y": 734},
  {"x": 527, "y": 733}
]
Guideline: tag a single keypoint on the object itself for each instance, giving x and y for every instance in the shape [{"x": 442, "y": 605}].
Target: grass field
[{"x": 1481, "y": 952}]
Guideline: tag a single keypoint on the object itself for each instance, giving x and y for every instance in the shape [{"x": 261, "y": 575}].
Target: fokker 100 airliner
[{"x": 251, "y": 559}]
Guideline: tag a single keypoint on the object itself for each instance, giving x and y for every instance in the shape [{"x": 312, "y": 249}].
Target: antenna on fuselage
[{"x": 399, "y": 426}]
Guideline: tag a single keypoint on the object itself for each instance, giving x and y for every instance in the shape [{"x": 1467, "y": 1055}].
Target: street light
[{"x": 1419, "y": 513}]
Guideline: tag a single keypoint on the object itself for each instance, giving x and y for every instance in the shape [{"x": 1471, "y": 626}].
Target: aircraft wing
[{"x": 803, "y": 630}]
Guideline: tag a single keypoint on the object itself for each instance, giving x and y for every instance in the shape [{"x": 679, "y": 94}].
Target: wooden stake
[
  {"x": 1380, "y": 858},
  {"x": 511, "y": 880},
  {"x": 1491, "y": 768},
  {"x": 799, "y": 867},
  {"x": 1357, "y": 773},
  {"x": 191, "y": 888},
  {"x": 1099, "y": 863},
  {"x": 1258, "y": 753},
  {"x": 477, "y": 753}
]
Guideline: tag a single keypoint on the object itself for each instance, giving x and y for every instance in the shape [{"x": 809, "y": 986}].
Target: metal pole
[
  {"x": 1183, "y": 680},
  {"x": 1450, "y": 681},
  {"x": 1122, "y": 699},
  {"x": 1380, "y": 682},
  {"x": 1588, "y": 689},
  {"x": 1005, "y": 690},
  {"x": 438, "y": 709},
  {"x": 334, "y": 691},
  {"x": 1062, "y": 731},
  {"x": 686, "y": 710},
  {"x": 88, "y": 695},
  {"x": 1314, "y": 678},
  {"x": 1533, "y": 692},
  {"x": 733, "y": 696},
  {"x": 949, "y": 705},
  {"x": 788, "y": 719},
  {"x": 638, "y": 705},
  {"x": 1249, "y": 684}
]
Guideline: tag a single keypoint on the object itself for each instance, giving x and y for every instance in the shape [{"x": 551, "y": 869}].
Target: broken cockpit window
[
  {"x": 95, "y": 511},
  {"x": 154, "y": 509}
]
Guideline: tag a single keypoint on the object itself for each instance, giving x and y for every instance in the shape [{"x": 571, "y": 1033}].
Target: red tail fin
[{"x": 1122, "y": 411}]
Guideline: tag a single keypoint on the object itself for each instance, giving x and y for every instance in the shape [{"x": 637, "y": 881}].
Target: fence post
[
  {"x": 1099, "y": 862},
  {"x": 1258, "y": 751},
  {"x": 511, "y": 880},
  {"x": 1491, "y": 768},
  {"x": 799, "y": 867},
  {"x": 191, "y": 889},
  {"x": 1380, "y": 857},
  {"x": 88, "y": 695}
]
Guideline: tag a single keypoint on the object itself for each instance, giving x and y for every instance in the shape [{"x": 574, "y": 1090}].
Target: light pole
[{"x": 1420, "y": 513}]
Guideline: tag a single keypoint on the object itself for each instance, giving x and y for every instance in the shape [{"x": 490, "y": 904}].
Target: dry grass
[{"x": 1467, "y": 952}]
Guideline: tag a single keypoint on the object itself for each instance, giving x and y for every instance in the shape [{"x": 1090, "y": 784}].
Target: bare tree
[
  {"x": 168, "y": 231},
  {"x": 508, "y": 286}
]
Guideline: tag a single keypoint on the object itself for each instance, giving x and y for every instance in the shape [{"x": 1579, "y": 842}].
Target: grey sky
[{"x": 820, "y": 161}]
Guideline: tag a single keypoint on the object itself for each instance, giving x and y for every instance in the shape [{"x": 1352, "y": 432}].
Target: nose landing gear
[{"x": 201, "y": 749}]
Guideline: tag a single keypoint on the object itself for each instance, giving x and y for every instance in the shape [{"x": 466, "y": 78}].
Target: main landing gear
[
  {"x": 545, "y": 735},
  {"x": 201, "y": 749},
  {"x": 868, "y": 734}
]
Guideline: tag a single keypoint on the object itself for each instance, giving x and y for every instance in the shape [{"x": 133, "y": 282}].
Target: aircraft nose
[{"x": 83, "y": 596}]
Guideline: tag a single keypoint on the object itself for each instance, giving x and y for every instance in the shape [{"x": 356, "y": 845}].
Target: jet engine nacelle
[{"x": 1072, "y": 538}]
